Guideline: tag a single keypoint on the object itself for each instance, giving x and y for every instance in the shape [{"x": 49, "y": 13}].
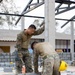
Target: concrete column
[
  {"x": 72, "y": 41},
  {"x": 50, "y": 22},
  {"x": 22, "y": 23}
]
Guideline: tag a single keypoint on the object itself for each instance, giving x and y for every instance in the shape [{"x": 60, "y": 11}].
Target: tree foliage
[{"x": 8, "y": 6}]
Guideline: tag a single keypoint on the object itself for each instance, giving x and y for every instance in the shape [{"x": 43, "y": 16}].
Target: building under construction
[{"x": 59, "y": 30}]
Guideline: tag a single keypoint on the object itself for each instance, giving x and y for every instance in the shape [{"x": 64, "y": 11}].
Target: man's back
[
  {"x": 44, "y": 48},
  {"x": 50, "y": 58}
]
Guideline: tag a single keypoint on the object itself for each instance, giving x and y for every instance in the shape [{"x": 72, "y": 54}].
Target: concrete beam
[{"x": 50, "y": 21}]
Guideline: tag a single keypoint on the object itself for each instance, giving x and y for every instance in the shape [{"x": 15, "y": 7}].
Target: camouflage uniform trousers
[
  {"x": 27, "y": 60},
  {"x": 51, "y": 65}
]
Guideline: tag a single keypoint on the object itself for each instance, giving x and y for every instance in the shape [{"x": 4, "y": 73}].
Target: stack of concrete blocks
[
  {"x": 66, "y": 56},
  {"x": 7, "y": 57},
  {"x": 7, "y": 62}
]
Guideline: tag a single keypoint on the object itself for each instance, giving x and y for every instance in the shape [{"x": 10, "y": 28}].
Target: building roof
[{"x": 8, "y": 35}]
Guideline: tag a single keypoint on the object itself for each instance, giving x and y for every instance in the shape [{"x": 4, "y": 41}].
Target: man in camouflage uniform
[
  {"x": 22, "y": 43},
  {"x": 51, "y": 61}
]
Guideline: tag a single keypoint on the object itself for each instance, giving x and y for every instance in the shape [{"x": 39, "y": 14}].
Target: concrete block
[
  {"x": 73, "y": 63},
  {"x": 8, "y": 69},
  {"x": 4, "y": 60},
  {"x": 1, "y": 57},
  {"x": 0, "y": 60},
  {"x": 68, "y": 56},
  {"x": 12, "y": 60},
  {"x": 13, "y": 57},
  {"x": 7, "y": 56}
]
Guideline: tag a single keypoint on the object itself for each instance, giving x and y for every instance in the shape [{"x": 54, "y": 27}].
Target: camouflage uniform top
[
  {"x": 23, "y": 39},
  {"x": 43, "y": 49}
]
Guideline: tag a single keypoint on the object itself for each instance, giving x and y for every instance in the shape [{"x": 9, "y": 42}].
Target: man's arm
[
  {"x": 35, "y": 62},
  {"x": 41, "y": 29},
  {"x": 19, "y": 42}
]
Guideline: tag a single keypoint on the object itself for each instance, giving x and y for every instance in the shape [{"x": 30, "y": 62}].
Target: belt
[
  {"x": 47, "y": 56},
  {"x": 53, "y": 56},
  {"x": 23, "y": 49}
]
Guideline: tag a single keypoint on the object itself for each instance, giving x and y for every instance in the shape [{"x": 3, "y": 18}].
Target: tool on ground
[{"x": 23, "y": 66}]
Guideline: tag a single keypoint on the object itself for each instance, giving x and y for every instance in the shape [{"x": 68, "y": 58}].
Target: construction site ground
[{"x": 70, "y": 71}]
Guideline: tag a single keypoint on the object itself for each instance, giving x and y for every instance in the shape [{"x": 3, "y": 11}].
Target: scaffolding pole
[{"x": 22, "y": 23}]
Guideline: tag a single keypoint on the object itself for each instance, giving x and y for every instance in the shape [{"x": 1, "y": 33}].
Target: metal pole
[
  {"x": 72, "y": 41},
  {"x": 22, "y": 23},
  {"x": 36, "y": 16}
]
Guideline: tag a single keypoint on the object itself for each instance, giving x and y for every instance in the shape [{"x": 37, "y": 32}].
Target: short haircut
[
  {"x": 33, "y": 44},
  {"x": 32, "y": 26}
]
